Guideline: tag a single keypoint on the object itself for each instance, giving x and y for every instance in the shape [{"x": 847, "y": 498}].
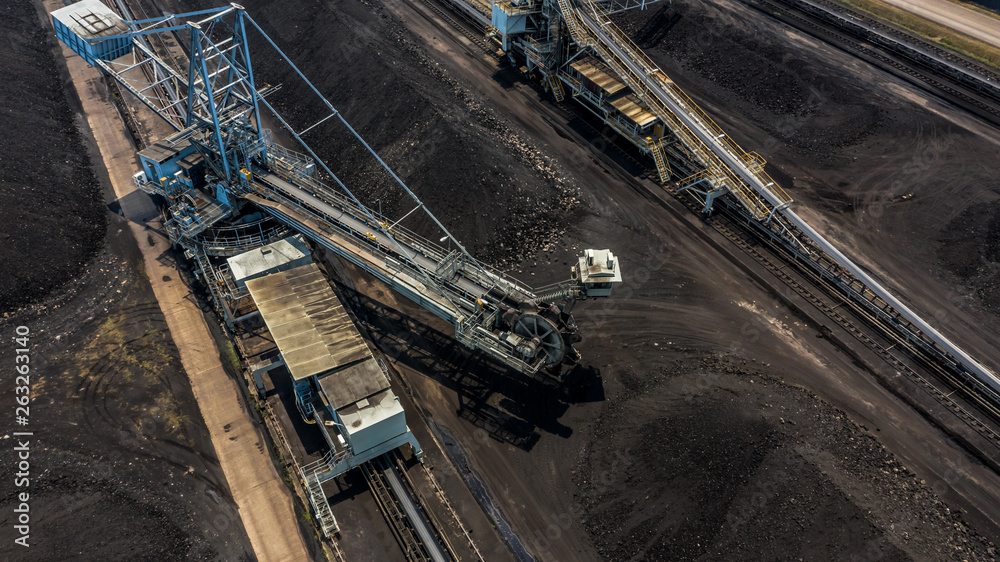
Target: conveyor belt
[
  {"x": 605, "y": 32},
  {"x": 416, "y": 518},
  {"x": 468, "y": 297},
  {"x": 472, "y": 288}
]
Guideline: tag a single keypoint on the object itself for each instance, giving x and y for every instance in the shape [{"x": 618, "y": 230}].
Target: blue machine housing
[
  {"x": 164, "y": 159},
  {"x": 84, "y": 25}
]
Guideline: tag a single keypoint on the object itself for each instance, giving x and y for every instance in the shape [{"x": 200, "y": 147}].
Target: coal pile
[
  {"x": 709, "y": 459},
  {"x": 971, "y": 250},
  {"x": 798, "y": 103},
  {"x": 51, "y": 207},
  {"x": 681, "y": 455},
  {"x": 121, "y": 464},
  {"x": 489, "y": 185}
]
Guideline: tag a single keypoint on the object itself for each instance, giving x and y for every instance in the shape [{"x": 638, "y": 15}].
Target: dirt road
[
  {"x": 961, "y": 19},
  {"x": 122, "y": 464},
  {"x": 266, "y": 505}
]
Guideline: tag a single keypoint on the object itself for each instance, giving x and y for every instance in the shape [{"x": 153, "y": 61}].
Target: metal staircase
[
  {"x": 223, "y": 107},
  {"x": 557, "y": 87},
  {"x": 662, "y": 166},
  {"x": 576, "y": 31},
  {"x": 319, "y": 502},
  {"x": 654, "y": 88}
]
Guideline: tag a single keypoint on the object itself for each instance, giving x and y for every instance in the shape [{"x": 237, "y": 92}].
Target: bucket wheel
[{"x": 545, "y": 334}]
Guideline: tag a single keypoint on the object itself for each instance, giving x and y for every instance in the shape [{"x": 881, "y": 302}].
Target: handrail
[
  {"x": 742, "y": 174},
  {"x": 759, "y": 207}
]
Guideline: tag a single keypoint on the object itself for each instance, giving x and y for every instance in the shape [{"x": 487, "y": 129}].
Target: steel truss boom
[
  {"x": 715, "y": 165},
  {"x": 221, "y": 105}
]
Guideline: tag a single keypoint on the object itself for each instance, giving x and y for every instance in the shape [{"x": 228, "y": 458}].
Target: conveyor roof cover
[
  {"x": 307, "y": 321},
  {"x": 598, "y": 73},
  {"x": 633, "y": 108}
]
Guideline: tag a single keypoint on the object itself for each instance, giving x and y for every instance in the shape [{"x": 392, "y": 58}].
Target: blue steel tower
[{"x": 221, "y": 176}]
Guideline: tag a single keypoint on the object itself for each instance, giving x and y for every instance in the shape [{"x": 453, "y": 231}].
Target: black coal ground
[
  {"x": 900, "y": 179},
  {"x": 121, "y": 465},
  {"x": 681, "y": 455},
  {"x": 752, "y": 467},
  {"x": 51, "y": 208},
  {"x": 496, "y": 192}
]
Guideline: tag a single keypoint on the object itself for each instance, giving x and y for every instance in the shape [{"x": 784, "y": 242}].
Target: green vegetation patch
[{"x": 939, "y": 34}]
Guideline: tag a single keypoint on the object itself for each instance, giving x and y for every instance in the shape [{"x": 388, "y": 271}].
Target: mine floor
[{"x": 708, "y": 419}]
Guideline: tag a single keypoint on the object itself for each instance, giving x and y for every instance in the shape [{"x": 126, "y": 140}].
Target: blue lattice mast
[{"x": 220, "y": 106}]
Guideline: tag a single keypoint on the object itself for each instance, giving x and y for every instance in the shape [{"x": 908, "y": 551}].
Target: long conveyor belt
[
  {"x": 417, "y": 520},
  {"x": 596, "y": 30},
  {"x": 361, "y": 253},
  {"x": 462, "y": 297}
]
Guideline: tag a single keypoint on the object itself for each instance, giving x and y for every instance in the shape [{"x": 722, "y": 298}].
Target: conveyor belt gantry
[
  {"x": 222, "y": 166},
  {"x": 688, "y": 147}
]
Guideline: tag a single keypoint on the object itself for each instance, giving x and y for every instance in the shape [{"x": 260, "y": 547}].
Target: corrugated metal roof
[
  {"x": 598, "y": 73},
  {"x": 352, "y": 384},
  {"x": 91, "y": 19},
  {"x": 633, "y": 108},
  {"x": 309, "y": 324}
]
